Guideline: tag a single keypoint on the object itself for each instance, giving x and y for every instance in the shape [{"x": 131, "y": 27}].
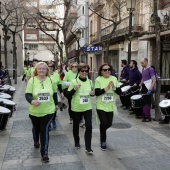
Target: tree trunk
[
  {"x": 158, "y": 50},
  {"x": 14, "y": 58},
  {"x": 5, "y": 48},
  {"x": 66, "y": 49}
]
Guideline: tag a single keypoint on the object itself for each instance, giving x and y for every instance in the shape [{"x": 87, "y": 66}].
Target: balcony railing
[{"x": 105, "y": 33}]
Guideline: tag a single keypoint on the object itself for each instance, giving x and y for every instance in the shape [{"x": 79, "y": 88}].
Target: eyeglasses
[
  {"x": 107, "y": 69},
  {"x": 73, "y": 66},
  {"x": 83, "y": 71}
]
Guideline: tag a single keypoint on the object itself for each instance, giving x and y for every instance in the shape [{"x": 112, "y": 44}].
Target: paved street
[{"x": 132, "y": 145}]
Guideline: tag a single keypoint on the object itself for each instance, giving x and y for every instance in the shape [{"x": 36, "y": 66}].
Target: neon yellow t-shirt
[
  {"x": 81, "y": 100},
  {"x": 42, "y": 91},
  {"x": 56, "y": 79},
  {"x": 69, "y": 76},
  {"x": 30, "y": 72},
  {"x": 105, "y": 101},
  {"x": 25, "y": 70}
]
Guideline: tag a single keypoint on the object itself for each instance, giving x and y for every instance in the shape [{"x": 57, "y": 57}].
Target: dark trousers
[
  {"x": 122, "y": 100},
  {"x": 146, "y": 102},
  {"x": 77, "y": 116},
  {"x": 69, "y": 108},
  {"x": 106, "y": 119},
  {"x": 54, "y": 116},
  {"x": 41, "y": 129},
  {"x": 23, "y": 78}
]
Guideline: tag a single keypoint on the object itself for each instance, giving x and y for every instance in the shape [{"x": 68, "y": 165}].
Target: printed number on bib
[
  {"x": 84, "y": 99},
  {"x": 43, "y": 97},
  {"x": 107, "y": 98}
]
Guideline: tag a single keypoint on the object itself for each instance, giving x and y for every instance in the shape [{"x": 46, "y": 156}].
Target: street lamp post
[
  {"x": 78, "y": 36},
  {"x": 61, "y": 51},
  {"x": 25, "y": 53},
  {"x": 130, "y": 7},
  {"x": 28, "y": 59}
]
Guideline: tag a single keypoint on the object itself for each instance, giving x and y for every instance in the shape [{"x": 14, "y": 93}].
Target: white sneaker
[{"x": 82, "y": 124}]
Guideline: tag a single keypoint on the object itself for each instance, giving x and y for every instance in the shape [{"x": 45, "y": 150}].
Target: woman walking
[
  {"x": 81, "y": 90},
  {"x": 56, "y": 79},
  {"x": 106, "y": 87},
  {"x": 69, "y": 76},
  {"x": 42, "y": 96}
]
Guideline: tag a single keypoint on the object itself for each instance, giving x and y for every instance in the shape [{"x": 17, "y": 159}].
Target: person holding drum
[
  {"x": 42, "y": 96},
  {"x": 124, "y": 78},
  {"x": 106, "y": 87},
  {"x": 148, "y": 86},
  {"x": 135, "y": 78},
  {"x": 80, "y": 92}
]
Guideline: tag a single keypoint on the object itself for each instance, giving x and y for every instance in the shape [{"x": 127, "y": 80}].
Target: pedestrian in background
[{"x": 42, "y": 96}]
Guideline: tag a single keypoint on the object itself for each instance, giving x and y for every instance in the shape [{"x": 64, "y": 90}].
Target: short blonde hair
[
  {"x": 71, "y": 64},
  {"x": 41, "y": 63}
]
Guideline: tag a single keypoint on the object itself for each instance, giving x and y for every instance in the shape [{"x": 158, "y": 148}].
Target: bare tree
[
  {"x": 13, "y": 22},
  {"x": 117, "y": 6}
]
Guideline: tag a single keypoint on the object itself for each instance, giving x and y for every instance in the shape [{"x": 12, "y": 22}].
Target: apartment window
[
  {"x": 82, "y": 10},
  {"x": 82, "y": 33},
  {"x": 91, "y": 27},
  {"x": 50, "y": 47},
  {"x": 31, "y": 26},
  {"x": 33, "y": 47},
  {"x": 31, "y": 36},
  {"x": 46, "y": 36}
]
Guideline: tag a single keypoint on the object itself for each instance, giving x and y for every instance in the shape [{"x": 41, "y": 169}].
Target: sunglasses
[
  {"x": 50, "y": 66},
  {"x": 83, "y": 71},
  {"x": 107, "y": 69},
  {"x": 73, "y": 66}
]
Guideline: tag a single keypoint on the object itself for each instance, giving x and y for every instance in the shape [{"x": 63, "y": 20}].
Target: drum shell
[
  {"x": 3, "y": 120},
  {"x": 137, "y": 103},
  {"x": 10, "y": 107},
  {"x": 165, "y": 110},
  {"x": 126, "y": 93}
]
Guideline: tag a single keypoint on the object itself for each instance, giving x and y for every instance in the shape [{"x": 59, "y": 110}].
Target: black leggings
[
  {"x": 41, "y": 129},
  {"x": 106, "y": 119},
  {"x": 77, "y": 116}
]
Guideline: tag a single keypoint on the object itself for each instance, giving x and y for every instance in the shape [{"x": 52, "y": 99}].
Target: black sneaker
[
  {"x": 36, "y": 144},
  {"x": 77, "y": 146},
  {"x": 103, "y": 146},
  {"x": 89, "y": 151},
  {"x": 147, "y": 120},
  {"x": 45, "y": 158},
  {"x": 163, "y": 122}
]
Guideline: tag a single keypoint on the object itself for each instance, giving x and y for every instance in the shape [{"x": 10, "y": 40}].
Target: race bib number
[
  {"x": 43, "y": 97},
  {"x": 84, "y": 99},
  {"x": 107, "y": 97}
]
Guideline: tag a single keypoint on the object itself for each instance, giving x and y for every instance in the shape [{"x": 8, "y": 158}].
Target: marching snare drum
[
  {"x": 4, "y": 114},
  {"x": 164, "y": 106},
  {"x": 120, "y": 84},
  {"x": 5, "y": 96},
  {"x": 8, "y": 104},
  {"x": 136, "y": 101},
  {"x": 126, "y": 90}
]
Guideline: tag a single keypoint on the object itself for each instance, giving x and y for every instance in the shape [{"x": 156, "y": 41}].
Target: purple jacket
[
  {"x": 125, "y": 72},
  {"x": 135, "y": 76}
]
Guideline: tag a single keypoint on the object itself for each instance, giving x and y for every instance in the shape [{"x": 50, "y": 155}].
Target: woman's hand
[
  {"x": 77, "y": 86},
  {"x": 108, "y": 86},
  {"x": 92, "y": 93},
  {"x": 62, "y": 96},
  {"x": 56, "y": 108},
  {"x": 35, "y": 102}
]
